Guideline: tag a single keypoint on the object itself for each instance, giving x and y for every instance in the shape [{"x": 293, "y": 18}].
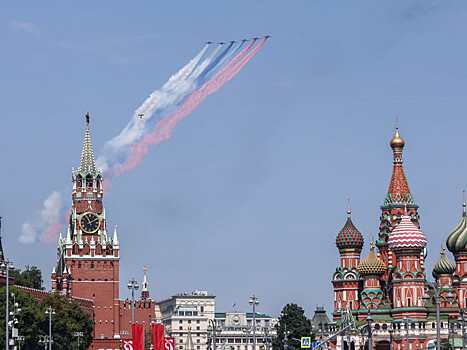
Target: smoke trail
[
  {"x": 159, "y": 102},
  {"x": 164, "y": 127},
  {"x": 49, "y": 219},
  {"x": 135, "y": 128},
  {"x": 152, "y": 123}
]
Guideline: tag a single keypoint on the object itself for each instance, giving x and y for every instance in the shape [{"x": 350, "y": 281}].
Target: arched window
[
  {"x": 79, "y": 181},
  {"x": 99, "y": 180},
  {"x": 88, "y": 180}
]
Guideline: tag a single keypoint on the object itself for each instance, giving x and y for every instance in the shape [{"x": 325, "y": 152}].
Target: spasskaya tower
[{"x": 88, "y": 258}]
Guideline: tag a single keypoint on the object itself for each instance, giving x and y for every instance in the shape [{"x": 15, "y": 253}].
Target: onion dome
[
  {"x": 349, "y": 237},
  {"x": 457, "y": 240},
  {"x": 406, "y": 235},
  {"x": 444, "y": 266},
  {"x": 397, "y": 141},
  {"x": 371, "y": 265}
]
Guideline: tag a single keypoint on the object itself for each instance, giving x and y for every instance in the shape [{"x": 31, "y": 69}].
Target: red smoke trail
[{"x": 164, "y": 128}]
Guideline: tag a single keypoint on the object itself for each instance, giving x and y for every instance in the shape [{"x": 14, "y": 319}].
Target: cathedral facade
[{"x": 389, "y": 288}]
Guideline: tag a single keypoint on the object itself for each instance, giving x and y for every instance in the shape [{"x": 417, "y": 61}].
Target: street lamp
[
  {"x": 19, "y": 339},
  {"x": 78, "y": 335},
  {"x": 437, "y": 289},
  {"x": 369, "y": 320},
  {"x": 44, "y": 340},
  {"x": 7, "y": 265},
  {"x": 286, "y": 337},
  {"x": 407, "y": 318},
  {"x": 391, "y": 331},
  {"x": 255, "y": 302},
  {"x": 14, "y": 320},
  {"x": 247, "y": 331},
  {"x": 213, "y": 330},
  {"x": 133, "y": 285},
  {"x": 461, "y": 321},
  {"x": 49, "y": 311}
]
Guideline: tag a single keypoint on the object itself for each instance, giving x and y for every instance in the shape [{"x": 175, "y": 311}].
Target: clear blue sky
[{"x": 251, "y": 190}]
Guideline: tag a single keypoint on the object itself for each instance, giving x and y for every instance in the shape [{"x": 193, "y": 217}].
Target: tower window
[
  {"x": 92, "y": 266},
  {"x": 79, "y": 181},
  {"x": 89, "y": 181},
  {"x": 79, "y": 265}
]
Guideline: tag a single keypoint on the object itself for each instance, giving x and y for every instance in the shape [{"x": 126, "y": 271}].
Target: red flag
[
  {"x": 158, "y": 336},
  {"x": 169, "y": 343},
  {"x": 127, "y": 344},
  {"x": 138, "y": 336}
]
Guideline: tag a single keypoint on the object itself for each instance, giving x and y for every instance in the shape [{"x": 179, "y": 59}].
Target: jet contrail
[
  {"x": 152, "y": 123},
  {"x": 164, "y": 127}
]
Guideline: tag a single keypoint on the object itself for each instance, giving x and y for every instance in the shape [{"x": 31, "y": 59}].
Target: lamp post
[
  {"x": 254, "y": 301},
  {"x": 213, "y": 330},
  {"x": 437, "y": 289},
  {"x": 369, "y": 320},
  {"x": 286, "y": 337},
  {"x": 7, "y": 265},
  {"x": 133, "y": 285},
  {"x": 49, "y": 311},
  {"x": 391, "y": 331},
  {"x": 407, "y": 318},
  {"x": 19, "y": 340},
  {"x": 451, "y": 331},
  {"x": 247, "y": 331},
  {"x": 461, "y": 321},
  {"x": 43, "y": 340},
  {"x": 78, "y": 335},
  {"x": 14, "y": 320}
]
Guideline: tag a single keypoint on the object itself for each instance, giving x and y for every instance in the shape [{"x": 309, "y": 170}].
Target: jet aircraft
[
  {"x": 255, "y": 38},
  {"x": 208, "y": 42},
  {"x": 221, "y": 43},
  {"x": 267, "y": 36}
]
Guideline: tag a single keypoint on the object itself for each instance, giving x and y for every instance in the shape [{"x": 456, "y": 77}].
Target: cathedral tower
[
  {"x": 88, "y": 259},
  {"x": 346, "y": 279},
  {"x": 397, "y": 198}
]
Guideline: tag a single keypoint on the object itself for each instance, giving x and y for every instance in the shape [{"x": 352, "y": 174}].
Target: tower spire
[
  {"x": 398, "y": 192},
  {"x": 144, "y": 286},
  {"x": 87, "y": 163}
]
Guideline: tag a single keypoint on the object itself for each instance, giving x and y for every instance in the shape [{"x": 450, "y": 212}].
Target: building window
[
  {"x": 197, "y": 321},
  {"x": 92, "y": 265},
  {"x": 79, "y": 265},
  {"x": 188, "y": 313},
  {"x": 195, "y": 313},
  {"x": 180, "y": 328},
  {"x": 202, "y": 308},
  {"x": 181, "y": 340},
  {"x": 181, "y": 313},
  {"x": 189, "y": 321},
  {"x": 88, "y": 181},
  {"x": 180, "y": 321},
  {"x": 197, "y": 327},
  {"x": 79, "y": 279}
]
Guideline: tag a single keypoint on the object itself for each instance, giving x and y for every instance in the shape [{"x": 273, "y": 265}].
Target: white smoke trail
[
  {"x": 46, "y": 221},
  {"x": 174, "y": 90}
]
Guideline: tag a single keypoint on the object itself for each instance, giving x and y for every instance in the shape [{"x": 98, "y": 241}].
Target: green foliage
[
  {"x": 31, "y": 277},
  {"x": 68, "y": 318},
  {"x": 445, "y": 344},
  {"x": 293, "y": 320},
  {"x": 33, "y": 322}
]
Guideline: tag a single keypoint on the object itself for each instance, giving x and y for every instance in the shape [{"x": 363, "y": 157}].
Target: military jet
[
  {"x": 267, "y": 36},
  {"x": 208, "y": 42},
  {"x": 221, "y": 43}
]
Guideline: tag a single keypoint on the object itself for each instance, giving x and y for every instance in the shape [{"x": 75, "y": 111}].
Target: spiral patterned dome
[
  {"x": 406, "y": 235},
  {"x": 444, "y": 266},
  {"x": 371, "y": 265},
  {"x": 457, "y": 240},
  {"x": 349, "y": 237}
]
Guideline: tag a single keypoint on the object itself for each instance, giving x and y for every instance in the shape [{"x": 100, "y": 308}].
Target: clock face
[{"x": 89, "y": 222}]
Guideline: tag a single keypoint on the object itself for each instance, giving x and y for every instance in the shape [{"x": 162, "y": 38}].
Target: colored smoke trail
[
  {"x": 152, "y": 123},
  {"x": 165, "y": 127}
]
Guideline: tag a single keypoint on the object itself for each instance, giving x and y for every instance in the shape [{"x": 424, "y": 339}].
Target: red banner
[
  {"x": 127, "y": 344},
  {"x": 158, "y": 336},
  {"x": 169, "y": 343},
  {"x": 138, "y": 336}
]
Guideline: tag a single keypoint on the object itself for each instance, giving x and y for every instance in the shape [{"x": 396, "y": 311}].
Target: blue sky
[{"x": 250, "y": 191}]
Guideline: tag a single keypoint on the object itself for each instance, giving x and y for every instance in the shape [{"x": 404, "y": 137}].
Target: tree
[
  {"x": 68, "y": 319},
  {"x": 297, "y": 325},
  {"x": 31, "y": 277},
  {"x": 33, "y": 322},
  {"x": 30, "y": 318}
]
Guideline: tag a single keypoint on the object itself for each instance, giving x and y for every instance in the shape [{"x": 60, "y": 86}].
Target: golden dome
[{"x": 397, "y": 141}]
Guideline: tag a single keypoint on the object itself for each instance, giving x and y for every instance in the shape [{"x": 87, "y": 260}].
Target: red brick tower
[
  {"x": 88, "y": 259},
  {"x": 346, "y": 279},
  {"x": 397, "y": 198}
]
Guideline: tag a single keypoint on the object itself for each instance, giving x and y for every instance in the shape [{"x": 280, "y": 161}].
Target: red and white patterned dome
[{"x": 406, "y": 236}]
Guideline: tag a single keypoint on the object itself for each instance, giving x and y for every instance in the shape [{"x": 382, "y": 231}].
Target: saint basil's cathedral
[{"x": 390, "y": 285}]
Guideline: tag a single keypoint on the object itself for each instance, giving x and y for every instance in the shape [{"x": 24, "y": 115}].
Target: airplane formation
[{"x": 233, "y": 41}]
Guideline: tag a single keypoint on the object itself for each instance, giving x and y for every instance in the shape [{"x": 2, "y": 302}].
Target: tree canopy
[
  {"x": 31, "y": 277},
  {"x": 33, "y": 322},
  {"x": 293, "y": 321}
]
